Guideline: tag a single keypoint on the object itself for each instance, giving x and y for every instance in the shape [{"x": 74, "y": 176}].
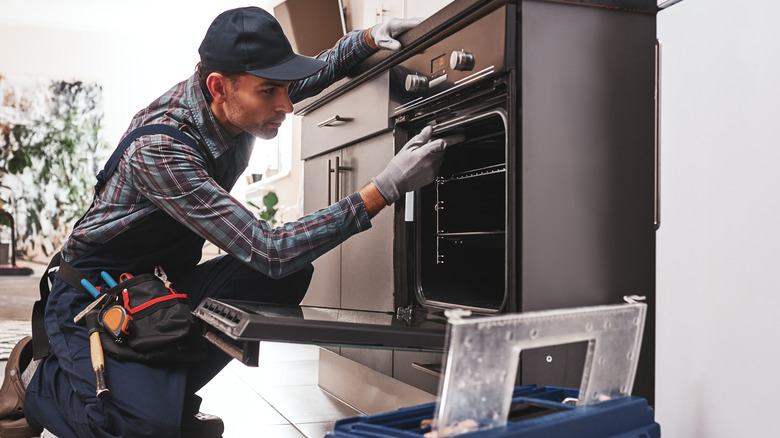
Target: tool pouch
[{"x": 163, "y": 329}]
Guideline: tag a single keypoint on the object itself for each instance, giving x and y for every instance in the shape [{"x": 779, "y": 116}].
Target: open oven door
[{"x": 237, "y": 327}]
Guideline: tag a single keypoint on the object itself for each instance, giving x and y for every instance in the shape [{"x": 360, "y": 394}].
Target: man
[{"x": 166, "y": 198}]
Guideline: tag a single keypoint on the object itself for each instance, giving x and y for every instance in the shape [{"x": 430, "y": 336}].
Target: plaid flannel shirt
[{"x": 159, "y": 173}]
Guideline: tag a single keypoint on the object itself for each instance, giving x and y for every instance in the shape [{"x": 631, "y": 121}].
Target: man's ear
[{"x": 217, "y": 84}]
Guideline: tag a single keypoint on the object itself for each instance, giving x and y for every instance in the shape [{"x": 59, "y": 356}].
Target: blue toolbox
[{"x": 535, "y": 412}]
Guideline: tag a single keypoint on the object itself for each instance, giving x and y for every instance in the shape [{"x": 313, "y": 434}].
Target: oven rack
[{"x": 473, "y": 173}]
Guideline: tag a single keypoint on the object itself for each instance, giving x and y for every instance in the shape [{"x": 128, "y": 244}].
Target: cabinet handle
[
  {"x": 657, "y": 174},
  {"x": 337, "y": 170},
  {"x": 330, "y": 188},
  {"x": 336, "y": 177},
  {"x": 332, "y": 120}
]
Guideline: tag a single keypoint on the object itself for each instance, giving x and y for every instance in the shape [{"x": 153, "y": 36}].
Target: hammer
[
  {"x": 90, "y": 314},
  {"x": 96, "y": 351}
]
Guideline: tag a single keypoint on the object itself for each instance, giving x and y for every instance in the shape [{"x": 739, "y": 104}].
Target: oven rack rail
[{"x": 474, "y": 173}]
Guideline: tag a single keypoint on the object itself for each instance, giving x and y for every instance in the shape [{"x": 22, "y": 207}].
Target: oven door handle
[
  {"x": 657, "y": 145},
  {"x": 439, "y": 128}
]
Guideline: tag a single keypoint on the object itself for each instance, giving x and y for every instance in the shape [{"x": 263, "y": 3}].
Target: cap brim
[{"x": 297, "y": 67}]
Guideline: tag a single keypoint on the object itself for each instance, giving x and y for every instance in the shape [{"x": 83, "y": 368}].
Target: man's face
[{"x": 257, "y": 106}]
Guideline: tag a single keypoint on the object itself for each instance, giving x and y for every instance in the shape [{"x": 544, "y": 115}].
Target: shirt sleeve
[
  {"x": 348, "y": 52},
  {"x": 174, "y": 178}
]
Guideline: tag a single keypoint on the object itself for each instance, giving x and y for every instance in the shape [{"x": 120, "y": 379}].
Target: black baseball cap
[{"x": 251, "y": 40}]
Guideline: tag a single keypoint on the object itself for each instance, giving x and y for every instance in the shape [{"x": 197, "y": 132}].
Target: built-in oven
[{"x": 458, "y": 244}]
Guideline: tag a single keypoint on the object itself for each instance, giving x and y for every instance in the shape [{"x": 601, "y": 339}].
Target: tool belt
[{"x": 161, "y": 328}]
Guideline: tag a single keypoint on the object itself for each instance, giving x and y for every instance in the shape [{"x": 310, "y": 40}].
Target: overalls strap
[{"x": 113, "y": 162}]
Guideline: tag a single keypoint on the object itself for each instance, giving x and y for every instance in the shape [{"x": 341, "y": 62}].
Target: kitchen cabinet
[
  {"x": 344, "y": 144},
  {"x": 359, "y": 273}
]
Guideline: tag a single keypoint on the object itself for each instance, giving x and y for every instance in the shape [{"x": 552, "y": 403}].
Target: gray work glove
[
  {"x": 414, "y": 166},
  {"x": 385, "y": 34}
]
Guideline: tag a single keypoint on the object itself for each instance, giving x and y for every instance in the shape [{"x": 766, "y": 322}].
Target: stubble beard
[{"x": 260, "y": 130}]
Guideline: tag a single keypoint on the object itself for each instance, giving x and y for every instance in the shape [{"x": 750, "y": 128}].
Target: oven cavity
[{"x": 462, "y": 219}]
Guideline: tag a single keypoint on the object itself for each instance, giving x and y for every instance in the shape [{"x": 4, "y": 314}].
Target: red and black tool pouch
[{"x": 163, "y": 329}]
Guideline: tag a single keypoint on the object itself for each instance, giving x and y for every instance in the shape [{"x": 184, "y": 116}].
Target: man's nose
[{"x": 285, "y": 104}]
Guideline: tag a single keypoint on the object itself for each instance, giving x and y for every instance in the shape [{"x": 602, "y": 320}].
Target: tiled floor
[{"x": 279, "y": 398}]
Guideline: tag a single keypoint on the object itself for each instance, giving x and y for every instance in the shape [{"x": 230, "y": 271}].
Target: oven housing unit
[{"x": 550, "y": 201}]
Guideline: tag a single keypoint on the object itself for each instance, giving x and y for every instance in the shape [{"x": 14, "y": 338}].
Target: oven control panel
[{"x": 466, "y": 56}]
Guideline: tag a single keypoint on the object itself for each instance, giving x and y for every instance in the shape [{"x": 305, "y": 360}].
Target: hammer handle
[{"x": 98, "y": 364}]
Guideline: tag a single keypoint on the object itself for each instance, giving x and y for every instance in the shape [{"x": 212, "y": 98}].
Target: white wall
[{"x": 719, "y": 245}]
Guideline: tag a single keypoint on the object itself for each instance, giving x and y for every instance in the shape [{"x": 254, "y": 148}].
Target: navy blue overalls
[{"x": 144, "y": 401}]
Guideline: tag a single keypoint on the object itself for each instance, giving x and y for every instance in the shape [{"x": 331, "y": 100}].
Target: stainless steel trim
[
  {"x": 458, "y": 85},
  {"x": 657, "y": 175},
  {"x": 343, "y": 19},
  {"x": 347, "y": 380},
  {"x": 332, "y": 120},
  {"x": 458, "y": 121},
  {"x": 433, "y": 369},
  {"x": 472, "y": 233},
  {"x": 667, "y": 4}
]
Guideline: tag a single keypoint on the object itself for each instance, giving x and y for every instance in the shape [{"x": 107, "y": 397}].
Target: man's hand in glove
[
  {"x": 384, "y": 34},
  {"x": 414, "y": 166}
]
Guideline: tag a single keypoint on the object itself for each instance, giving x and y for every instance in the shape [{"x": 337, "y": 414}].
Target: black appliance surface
[{"x": 247, "y": 321}]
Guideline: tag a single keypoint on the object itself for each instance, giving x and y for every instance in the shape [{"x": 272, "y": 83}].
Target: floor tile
[
  {"x": 270, "y": 374},
  {"x": 269, "y": 431},
  {"x": 239, "y": 406},
  {"x": 277, "y": 351},
  {"x": 315, "y": 430},
  {"x": 307, "y": 404},
  {"x": 11, "y": 332}
]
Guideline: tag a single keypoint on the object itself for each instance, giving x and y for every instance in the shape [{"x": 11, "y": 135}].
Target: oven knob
[
  {"x": 460, "y": 60},
  {"x": 415, "y": 83}
]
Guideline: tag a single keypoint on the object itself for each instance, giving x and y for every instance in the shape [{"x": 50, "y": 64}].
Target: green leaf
[
  {"x": 18, "y": 162},
  {"x": 270, "y": 199}
]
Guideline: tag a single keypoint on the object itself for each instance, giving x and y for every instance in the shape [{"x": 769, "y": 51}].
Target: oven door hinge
[{"x": 405, "y": 313}]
